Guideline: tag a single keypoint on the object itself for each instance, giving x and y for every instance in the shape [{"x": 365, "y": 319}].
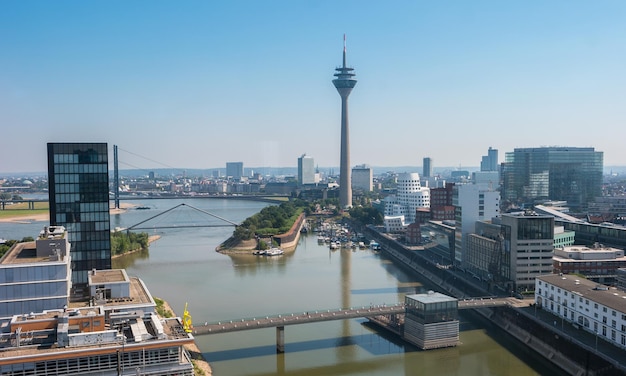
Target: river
[{"x": 183, "y": 267}]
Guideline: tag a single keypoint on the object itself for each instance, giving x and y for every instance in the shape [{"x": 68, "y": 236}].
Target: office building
[
  {"x": 595, "y": 308},
  {"x": 489, "y": 162},
  {"x": 234, "y": 170},
  {"x": 532, "y": 175},
  {"x": 427, "y": 167},
  {"x": 528, "y": 240},
  {"x": 344, "y": 83},
  {"x": 597, "y": 262},
  {"x": 306, "y": 170},
  {"x": 78, "y": 179},
  {"x": 362, "y": 178},
  {"x": 472, "y": 202},
  {"x": 36, "y": 276}
]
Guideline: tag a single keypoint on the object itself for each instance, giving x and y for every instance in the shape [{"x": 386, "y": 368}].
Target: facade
[
  {"x": 427, "y": 167},
  {"x": 553, "y": 173},
  {"x": 409, "y": 197},
  {"x": 413, "y": 234},
  {"x": 489, "y": 162},
  {"x": 78, "y": 179},
  {"x": 362, "y": 178},
  {"x": 528, "y": 240},
  {"x": 234, "y": 170},
  {"x": 344, "y": 83},
  {"x": 431, "y": 320},
  {"x": 484, "y": 258},
  {"x": 306, "y": 170},
  {"x": 597, "y": 262},
  {"x": 36, "y": 276},
  {"x": 595, "y": 308},
  {"x": 441, "y": 208},
  {"x": 472, "y": 202}
]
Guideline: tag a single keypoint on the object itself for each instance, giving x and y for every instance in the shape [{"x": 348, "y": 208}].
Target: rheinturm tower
[{"x": 344, "y": 84}]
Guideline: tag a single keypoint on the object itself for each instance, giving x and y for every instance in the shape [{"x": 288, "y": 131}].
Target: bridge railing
[{"x": 298, "y": 314}]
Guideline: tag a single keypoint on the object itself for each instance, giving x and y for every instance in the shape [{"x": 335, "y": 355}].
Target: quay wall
[
  {"x": 290, "y": 238},
  {"x": 568, "y": 354}
]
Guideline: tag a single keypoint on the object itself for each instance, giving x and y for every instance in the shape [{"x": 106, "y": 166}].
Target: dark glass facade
[
  {"x": 553, "y": 173},
  {"x": 78, "y": 175}
]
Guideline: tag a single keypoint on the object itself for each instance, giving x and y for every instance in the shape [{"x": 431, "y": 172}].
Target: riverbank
[
  {"x": 151, "y": 239},
  {"x": 26, "y": 216},
  {"x": 195, "y": 353}
]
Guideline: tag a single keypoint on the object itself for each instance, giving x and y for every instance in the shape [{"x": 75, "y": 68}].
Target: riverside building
[
  {"x": 595, "y": 308},
  {"x": 410, "y": 195}
]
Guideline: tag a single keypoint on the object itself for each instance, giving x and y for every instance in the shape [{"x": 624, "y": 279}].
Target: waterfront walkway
[{"x": 333, "y": 314}]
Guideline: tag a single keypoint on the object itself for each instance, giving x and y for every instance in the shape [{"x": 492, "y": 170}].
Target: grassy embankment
[{"x": 21, "y": 210}]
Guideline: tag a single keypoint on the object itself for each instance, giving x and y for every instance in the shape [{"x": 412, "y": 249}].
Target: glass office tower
[
  {"x": 78, "y": 183},
  {"x": 553, "y": 173}
]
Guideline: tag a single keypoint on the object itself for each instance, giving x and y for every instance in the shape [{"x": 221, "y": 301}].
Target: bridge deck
[{"x": 328, "y": 315}]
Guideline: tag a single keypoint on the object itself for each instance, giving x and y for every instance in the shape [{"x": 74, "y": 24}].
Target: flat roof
[
  {"x": 24, "y": 253},
  {"x": 432, "y": 297},
  {"x": 107, "y": 276},
  {"x": 612, "y": 298}
]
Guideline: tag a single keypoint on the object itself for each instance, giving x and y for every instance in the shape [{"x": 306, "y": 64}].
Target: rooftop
[{"x": 612, "y": 298}]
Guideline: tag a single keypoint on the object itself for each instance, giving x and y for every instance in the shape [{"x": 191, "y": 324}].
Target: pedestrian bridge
[{"x": 282, "y": 320}]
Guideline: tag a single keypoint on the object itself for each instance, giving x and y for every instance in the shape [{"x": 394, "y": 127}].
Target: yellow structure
[{"x": 187, "y": 320}]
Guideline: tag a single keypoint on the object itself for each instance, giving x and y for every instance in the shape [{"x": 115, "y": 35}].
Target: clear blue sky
[{"x": 194, "y": 84}]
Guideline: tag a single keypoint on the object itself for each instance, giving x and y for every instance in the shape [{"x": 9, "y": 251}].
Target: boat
[
  {"x": 274, "y": 252},
  {"x": 259, "y": 253}
]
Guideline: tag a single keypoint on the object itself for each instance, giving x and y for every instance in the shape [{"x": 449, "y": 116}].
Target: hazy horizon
[{"x": 199, "y": 83}]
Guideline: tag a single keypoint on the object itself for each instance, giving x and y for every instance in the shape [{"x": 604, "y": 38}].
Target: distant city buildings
[
  {"x": 234, "y": 170},
  {"x": 489, "y": 162},
  {"x": 427, "y": 167},
  {"x": 532, "y": 175},
  {"x": 78, "y": 176},
  {"x": 362, "y": 178},
  {"x": 306, "y": 170}
]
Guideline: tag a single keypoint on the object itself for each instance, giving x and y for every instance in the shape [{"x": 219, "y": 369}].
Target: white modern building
[
  {"x": 362, "y": 178},
  {"x": 306, "y": 170},
  {"x": 472, "y": 202},
  {"x": 409, "y": 197},
  {"x": 595, "y": 308}
]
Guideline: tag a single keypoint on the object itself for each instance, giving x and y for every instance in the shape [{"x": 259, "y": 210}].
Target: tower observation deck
[{"x": 344, "y": 82}]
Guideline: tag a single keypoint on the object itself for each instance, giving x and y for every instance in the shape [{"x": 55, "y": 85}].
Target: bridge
[
  {"x": 137, "y": 226},
  {"x": 281, "y": 320}
]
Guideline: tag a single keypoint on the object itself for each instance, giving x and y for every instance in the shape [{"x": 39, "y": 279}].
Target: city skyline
[{"x": 195, "y": 84}]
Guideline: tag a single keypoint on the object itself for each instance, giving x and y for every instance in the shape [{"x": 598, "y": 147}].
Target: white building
[
  {"x": 593, "y": 307},
  {"x": 472, "y": 202},
  {"x": 306, "y": 170},
  {"x": 362, "y": 178},
  {"x": 409, "y": 197}
]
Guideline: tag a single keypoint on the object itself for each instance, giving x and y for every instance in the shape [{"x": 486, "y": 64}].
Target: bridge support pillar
[{"x": 280, "y": 339}]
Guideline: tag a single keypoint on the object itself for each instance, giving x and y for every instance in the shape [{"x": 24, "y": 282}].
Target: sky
[{"x": 196, "y": 84}]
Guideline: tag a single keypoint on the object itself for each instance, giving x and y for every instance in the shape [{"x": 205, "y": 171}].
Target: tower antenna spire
[{"x": 344, "y": 50}]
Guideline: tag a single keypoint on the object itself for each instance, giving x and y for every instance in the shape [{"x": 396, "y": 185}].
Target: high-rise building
[
  {"x": 344, "y": 83},
  {"x": 427, "y": 166},
  {"x": 489, "y": 162},
  {"x": 553, "y": 173},
  {"x": 306, "y": 170},
  {"x": 234, "y": 170},
  {"x": 362, "y": 178},
  {"x": 78, "y": 178}
]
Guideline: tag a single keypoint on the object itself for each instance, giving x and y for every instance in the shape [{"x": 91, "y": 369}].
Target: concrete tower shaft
[{"x": 344, "y": 83}]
